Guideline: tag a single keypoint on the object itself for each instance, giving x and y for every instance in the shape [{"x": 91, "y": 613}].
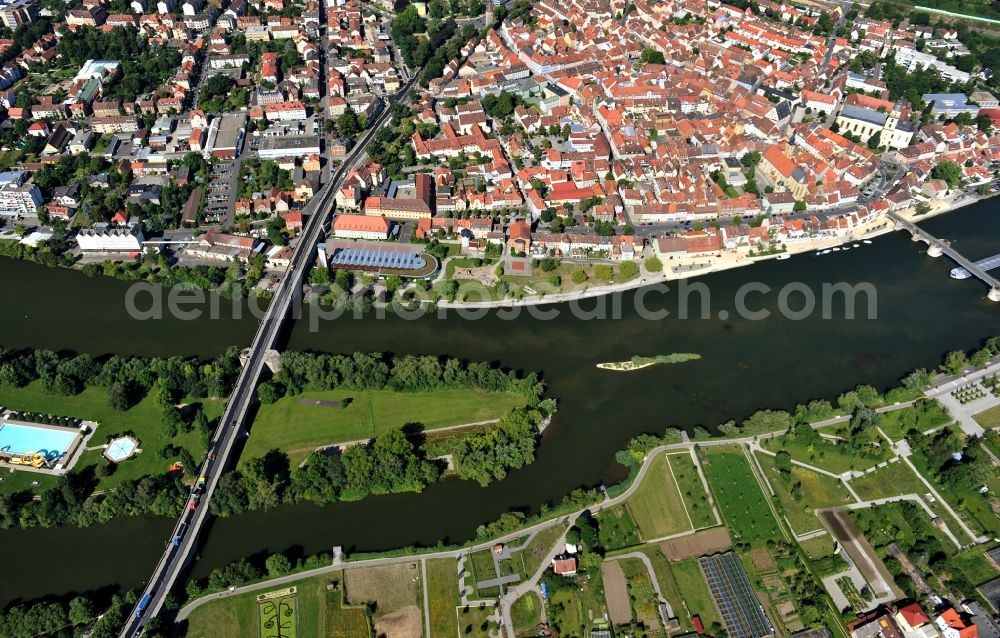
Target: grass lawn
[
  {"x": 922, "y": 416},
  {"x": 697, "y": 599},
  {"x": 527, "y": 614},
  {"x": 989, "y": 418},
  {"x": 801, "y": 493},
  {"x": 617, "y": 529},
  {"x": 239, "y": 616},
  {"x": 739, "y": 496},
  {"x": 892, "y": 480},
  {"x": 298, "y": 429},
  {"x": 277, "y": 617},
  {"x": 974, "y": 565},
  {"x": 442, "y": 594},
  {"x": 143, "y": 420},
  {"x": 656, "y": 506},
  {"x": 692, "y": 490}
]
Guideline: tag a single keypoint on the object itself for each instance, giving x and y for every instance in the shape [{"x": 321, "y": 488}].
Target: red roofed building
[
  {"x": 952, "y": 625},
  {"x": 519, "y": 237},
  {"x": 293, "y": 221},
  {"x": 564, "y": 566},
  {"x": 911, "y": 617},
  {"x": 361, "y": 227}
]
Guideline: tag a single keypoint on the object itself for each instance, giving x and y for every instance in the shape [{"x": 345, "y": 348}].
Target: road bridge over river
[
  {"x": 181, "y": 545},
  {"x": 937, "y": 247}
]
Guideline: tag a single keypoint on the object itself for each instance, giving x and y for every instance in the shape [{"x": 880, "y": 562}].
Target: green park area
[
  {"x": 832, "y": 448},
  {"x": 266, "y": 613},
  {"x": 476, "y": 621},
  {"x": 548, "y": 276},
  {"x": 442, "y": 593},
  {"x": 801, "y": 491},
  {"x": 299, "y": 424},
  {"x": 739, "y": 495},
  {"x": 143, "y": 420},
  {"x": 657, "y": 507},
  {"x": 617, "y": 528}
]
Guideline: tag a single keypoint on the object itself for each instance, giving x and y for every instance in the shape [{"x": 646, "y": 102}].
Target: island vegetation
[{"x": 638, "y": 362}]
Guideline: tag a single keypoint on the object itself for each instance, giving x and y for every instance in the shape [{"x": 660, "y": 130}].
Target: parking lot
[{"x": 221, "y": 193}]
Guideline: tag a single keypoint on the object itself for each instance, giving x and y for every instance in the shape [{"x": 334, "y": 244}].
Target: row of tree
[
  {"x": 366, "y": 371},
  {"x": 127, "y": 379},
  {"x": 74, "y": 617}
]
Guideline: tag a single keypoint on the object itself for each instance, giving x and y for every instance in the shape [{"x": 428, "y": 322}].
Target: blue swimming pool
[{"x": 16, "y": 438}]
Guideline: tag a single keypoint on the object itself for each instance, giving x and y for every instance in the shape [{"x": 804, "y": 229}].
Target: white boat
[
  {"x": 856, "y": 246},
  {"x": 784, "y": 256},
  {"x": 960, "y": 273},
  {"x": 867, "y": 241},
  {"x": 846, "y": 248},
  {"x": 836, "y": 249},
  {"x": 823, "y": 252}
]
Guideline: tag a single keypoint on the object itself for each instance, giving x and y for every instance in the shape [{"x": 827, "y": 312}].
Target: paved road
[{"x": 183, "y": 541}]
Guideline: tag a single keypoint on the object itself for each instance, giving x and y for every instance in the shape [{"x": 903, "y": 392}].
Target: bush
[
  {"x": 579, "y": 276},
  {"x": 653, "y": 264},
  {"x": 555, "y": 281}
]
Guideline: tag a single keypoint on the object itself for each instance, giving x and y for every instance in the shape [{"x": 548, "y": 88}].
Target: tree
[
  {"x": 348, "y": 123},
  {"x": 579, "y": 276},
  {"x": 277, "y": 565},
  {"x": 81, "y": 610},
  {"x": 653, "y": 264},
  {"x": 119, "y": 396},
  {"x": 267, "y": 393},
  {"x": 954, "y": 361},
  {"x": 628, "y": 269},
  {"x": 603, "y": 272},
  {"x": 783, "y": 462},
  {"x": 651, "y": 56},
  {"x": 949, "y": 171}
]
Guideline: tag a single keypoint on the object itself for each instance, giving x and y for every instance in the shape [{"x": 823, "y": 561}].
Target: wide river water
[{"x": 746, "y": 364}]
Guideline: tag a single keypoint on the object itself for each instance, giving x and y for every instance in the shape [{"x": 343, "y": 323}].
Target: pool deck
[{"x": 73, "y": 453}]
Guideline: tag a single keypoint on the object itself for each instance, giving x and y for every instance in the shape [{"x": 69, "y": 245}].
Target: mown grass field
[
  {"x": 389, "y": 587},
  {"x": 656, "y": 506},
  {"x": 692, "y": 490},
  {"x": 297, "y": 429},
  {"x": 442, "y": 594},
  {"x": 143, "y": 420},
  {"x": 740, "y": 498},
  {"x": 814, "y": 491},
  {"x": 474, "y": 622}
]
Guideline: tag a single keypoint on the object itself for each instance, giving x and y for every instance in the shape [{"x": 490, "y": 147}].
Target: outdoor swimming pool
[{"x": 18, "y": 438}]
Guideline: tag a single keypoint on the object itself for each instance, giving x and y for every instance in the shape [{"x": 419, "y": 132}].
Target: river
[{"x": 746, "y": 364}]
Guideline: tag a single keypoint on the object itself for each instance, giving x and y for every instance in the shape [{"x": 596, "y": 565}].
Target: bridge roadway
[
  {"x": 939, "y": 245},
  {"x": 184, "y": 538}
]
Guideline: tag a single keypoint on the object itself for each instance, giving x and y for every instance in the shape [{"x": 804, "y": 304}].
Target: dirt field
[
  {"x": 402, "y": 623},
  {"x": 616, "y": 591},
  {"x": 762, "y": 560},
  {"x": 390, "y": 587},
  {"x": 698, "y": 544}
]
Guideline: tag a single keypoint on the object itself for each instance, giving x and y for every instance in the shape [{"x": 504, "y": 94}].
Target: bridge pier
[
  {"x": 994, "y": 294},
  {"x": 935, "y": 250}
]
